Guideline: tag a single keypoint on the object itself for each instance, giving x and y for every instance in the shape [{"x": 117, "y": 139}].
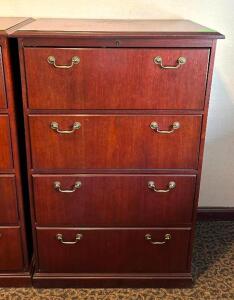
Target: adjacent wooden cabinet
[
  {"x": 14, "y": 254},
  {"x": 115, "y": 117}
]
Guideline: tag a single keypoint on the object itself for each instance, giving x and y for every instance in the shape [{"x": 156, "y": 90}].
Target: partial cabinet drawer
[
  {"x": 2, "y": 84},
  {"x": 8, "y": 200},
  {"x": 113, "y": 200},
  {"x": 5, "y": 144},
  {"x": 114, "y": 141},
  {"x": 113, "y": 250},
  {"x": 59, "y": 78},
  {"x": 11, "y": 256}
]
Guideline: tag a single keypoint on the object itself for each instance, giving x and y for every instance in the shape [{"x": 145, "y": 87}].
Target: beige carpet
[{"x": 213, "y": 269}]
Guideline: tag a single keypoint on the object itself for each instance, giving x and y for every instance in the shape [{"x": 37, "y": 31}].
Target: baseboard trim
[
  {"x": 16, "y": 280},
  {"x": 48, "y": 280},
  {"x": 215, "y": 214}
]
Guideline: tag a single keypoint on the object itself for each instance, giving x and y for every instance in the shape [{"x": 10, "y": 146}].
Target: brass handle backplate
[
  {"x": 57, "y": 186},
  {"x": 78, "y": 237},
  {"x": 173, "y": 127},
  {"x": 180, "y": 61},
  {"x": 152, "y": 186},
  {"x": 74, "y": 61},
  {"x": 167, "y": 237},
  {"x": 55, "y": 127}
]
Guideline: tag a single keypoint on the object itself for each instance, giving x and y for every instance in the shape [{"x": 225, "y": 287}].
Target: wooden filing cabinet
[
  {"x": 14, "y": 254},
  {"x": 115, "y": 115}
]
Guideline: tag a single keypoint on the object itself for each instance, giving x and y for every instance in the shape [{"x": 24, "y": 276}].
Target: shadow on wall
[{"x": 218, "y": 166}]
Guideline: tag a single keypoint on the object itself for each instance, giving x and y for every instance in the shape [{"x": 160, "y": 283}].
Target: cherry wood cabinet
[
  {"x": 14, "y": 253},
  {"x": 115, "y": 117}
]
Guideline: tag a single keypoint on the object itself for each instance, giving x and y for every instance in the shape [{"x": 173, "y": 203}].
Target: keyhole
[{"x": 117, "y": 43}]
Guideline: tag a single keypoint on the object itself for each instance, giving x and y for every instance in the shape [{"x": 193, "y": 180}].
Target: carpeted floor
[{"x": 213, "y": 269}]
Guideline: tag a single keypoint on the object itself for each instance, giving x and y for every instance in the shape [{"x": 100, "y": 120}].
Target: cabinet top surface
[
  {"x": 8, "y": 23},
  {"x": 73, "y": 27}
]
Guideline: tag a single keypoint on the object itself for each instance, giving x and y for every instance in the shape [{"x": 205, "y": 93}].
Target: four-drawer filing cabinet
[
  {"x": 14, "y": 255},
  {"x": 115, "y": 116}
]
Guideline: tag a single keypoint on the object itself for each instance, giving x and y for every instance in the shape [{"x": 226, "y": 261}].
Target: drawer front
[
  {"x": 11, "y": 257},
  {"x": 113, "y": 200},
  {"x": 115, "y": 78},
  {"x": 2, "y": 84},
  {"x": 113, "y": 250},
  {"x": 8, "y": 200},
  {"x": 123, "y": 142},
  {"x": 5, "y": 144}
]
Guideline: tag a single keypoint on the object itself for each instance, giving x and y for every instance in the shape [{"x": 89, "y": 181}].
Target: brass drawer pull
[
  {"x": 152, "y": 186},
  {"x": 57, "y": 186},
  {"x": 155, "y": 127},
  {"x": 180, "y": 61},
  {"x": 148, "y": 237},
  {"x": 74, "y": 61},
  {"x": 55, "y": 127},
  {"x": 59, "y": 237}
]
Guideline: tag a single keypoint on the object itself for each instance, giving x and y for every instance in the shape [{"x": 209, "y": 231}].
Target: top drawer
[
  {"x": 59, "y": 78},
  {"x": 2, "y": 84}
]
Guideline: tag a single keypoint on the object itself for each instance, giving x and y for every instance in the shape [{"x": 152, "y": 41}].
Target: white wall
[{"x": 218, "y": 169}]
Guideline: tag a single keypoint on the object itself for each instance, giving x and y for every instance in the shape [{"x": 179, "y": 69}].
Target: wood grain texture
[
  {"x": 136, "y": 81},
  {"x": 113, "y": 251},
  {"x": 113, "y": 200},
  {"x": 3, "y": 103},
  {"x": 8, "y": 200},
  {"x": 11, "y": 256},
  {"x": 63, "y": 280},
  {"x": 15, "y": 279},
  {"x": 8, "y": 23},
  {"x": 114, "y": 142},
  {"x": 74, "y": 27},
  {"x": 5, "y": 149},
  {"x": 115, "y": 41}
]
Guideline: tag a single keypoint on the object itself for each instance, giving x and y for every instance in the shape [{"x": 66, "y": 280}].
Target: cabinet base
[
  {"x": 17, "y": 279},
  {"x": 48, "y": 280}
]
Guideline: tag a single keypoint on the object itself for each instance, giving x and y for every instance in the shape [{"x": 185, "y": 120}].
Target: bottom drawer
[
  {"x": 113, "y": 250},
  {"x": 11, "y": 256}
]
